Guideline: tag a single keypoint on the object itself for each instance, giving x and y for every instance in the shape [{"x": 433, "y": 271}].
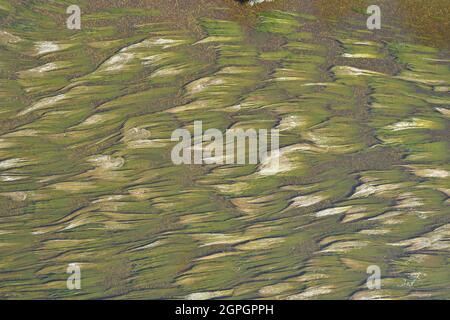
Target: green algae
[{"x": 86, "y": 175}]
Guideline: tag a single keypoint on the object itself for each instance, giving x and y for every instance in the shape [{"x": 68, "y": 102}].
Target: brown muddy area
[{"x": 427, "y": 20}]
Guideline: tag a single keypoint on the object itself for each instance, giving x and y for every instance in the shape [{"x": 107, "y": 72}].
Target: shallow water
[{"x": 86, "y": 176}]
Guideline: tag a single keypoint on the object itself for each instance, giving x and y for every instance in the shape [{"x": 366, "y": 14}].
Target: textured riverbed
[{"x": 86, "y": 118}]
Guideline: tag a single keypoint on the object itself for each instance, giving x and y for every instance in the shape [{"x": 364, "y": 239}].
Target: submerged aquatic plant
[{"x": 86, "y": 176}]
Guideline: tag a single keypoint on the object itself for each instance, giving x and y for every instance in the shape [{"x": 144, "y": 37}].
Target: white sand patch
[
  {"x": 147, "y": 143},
  {"x": 6, "y": 144},
  {"x": 371, "y": 295},
  {"x": 149, "y": 60},
  {"x": 220, "y": 39},
  {"x": 408, "y": 200},
  {"x": 149, "y": 43},
  {"x": 209, "y": 239},
  {"x": 6, "y": 37},
  {"x": 107, "y": 162},
  {"x": 306, "y": 201},
  {"x": 317, "y": 84},
  {"x": 9, "y": 178},
  {"x": 95, "y": 119},
  {"x": 367, "y": 43},
  {"x": 290, "y": 122},
  {"x": 253, "y": 2},
  {"x": 418, "y": 78},
  {"x": 278, "y": 161},
  {"x": 260, "y": 244},
  {"x": 232, "y": 187},
  {"x": 234, "y": 108},
  {"x": 332, "y": 211},
  {"x": 74, "y": 186},
  {"x": 194, "y": 105},
  {"x": 420, "y": 295},
  {"x": 136, "y": 133},
  {"x": 41, "y": 69},
  {"x": 45, "y": 47},
  {"x": 274, "y": 163},
  {"x": 445, "y": 190},
  {"x": 252, "y": 205},
  {"x": 359, "y": 55},
  {"x": 434, "y": 240},
  {"x": 76, "y": 222},
  {"x": 414, "y": 123},
  {"x": 275, "y": 289},
  {"x": 431, "y": 173},
  {"x": 310, "y": 277},
  {"x": 389, "y": 217},
  {"x": 151, "y": 245},
  {"x": 377, "y": 105},
  {"x": 168, "y": 71},
  {"x": 109, "y": 198},
  {"x": 217, "y": 256},
  {"x": 118, "y": 61},
  {"x": 168, "y": 43},
  {"x": 355, "y": 213},
  {"x": 204, "y": 83},
  {"x": 289, "y": 79},
  {"x": 12, "y": 163},
  {"x": 209, "y": 295},
  {"x": 237, "y": 70},
  {"x": 353, "y": 217},
  {"x": 220, "y": 158},
  {"x": 330, "y": 141},
  {"x": 344, "y": 246},
  {"x": 23, "y": 133},
  {"x": 161, "y": 41},
  {"x": 441, "y": 89},
  {"x": 368, "y": 189},
  {"x": 436, "y": 60},
  {"x": 16, "y": 196},
  {"x": 311, "y": 292},
  {"x": 352, "y": 71},
  {"x": 43, "y": 103},
  {"x": 444, "y": 111},
  {"x": 141, "y": 193},
  {"x": 375, "y": 232},
  {"x": 137, "y": 138}
]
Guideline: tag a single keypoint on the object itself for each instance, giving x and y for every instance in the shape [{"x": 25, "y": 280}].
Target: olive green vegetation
[{"x": 86, "y": 118}]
